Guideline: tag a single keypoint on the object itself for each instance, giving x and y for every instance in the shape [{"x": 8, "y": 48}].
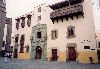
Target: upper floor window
[
  {"x": 54, "y": 34},
  {"x": 98, "y": 44},
  {"x": 38, "y": 34},
  {"x": 39, "y": 18},
  {"x": 3, "y": 44},
  {"x": 29, "y": 20},
  {"x": 17, "y": 24},
  {"x": 39, "y": 9},
  {"x": 23, "y": 22},
  {"x": 16, "y": 39},
  {"x": 71, "y": 32}
]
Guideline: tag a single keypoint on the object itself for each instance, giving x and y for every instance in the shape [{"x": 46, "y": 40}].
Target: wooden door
[
  {"x": 15, "y": 53},
  {"x": 98, "y": 53},
  {"x": 54, "y": 54},
  {"x": 38, "y": 53},
  {"x": 72, "y": 54}
]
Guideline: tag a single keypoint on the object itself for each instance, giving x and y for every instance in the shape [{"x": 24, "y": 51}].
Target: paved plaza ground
[{"x": 39, "y": 64}]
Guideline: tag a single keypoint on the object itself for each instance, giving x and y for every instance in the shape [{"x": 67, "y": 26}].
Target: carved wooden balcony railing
[
  {"x": 65, "y": 3},
  {"x": 67, "y": 12}
]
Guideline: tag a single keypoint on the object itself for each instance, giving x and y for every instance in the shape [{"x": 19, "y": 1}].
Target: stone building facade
[
  {"x": 2, "y": 22},
  {"x": 60, "y": 32},
  {"x": 7, "y": 36}
]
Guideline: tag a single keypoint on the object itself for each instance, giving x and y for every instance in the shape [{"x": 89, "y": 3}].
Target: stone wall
[
  {"x": 8, "y": 35},
  {"x": 2, "y": 21}
]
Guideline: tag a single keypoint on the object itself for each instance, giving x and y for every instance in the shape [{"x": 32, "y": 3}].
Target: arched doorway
[{"x": 38, "y": 52}]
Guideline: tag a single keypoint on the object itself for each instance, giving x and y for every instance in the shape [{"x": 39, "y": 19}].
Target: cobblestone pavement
[{"x": 39, "y": 64}]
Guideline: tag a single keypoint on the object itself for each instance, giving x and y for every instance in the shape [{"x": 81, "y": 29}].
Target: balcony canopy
[{"x": 65, "y": 3}]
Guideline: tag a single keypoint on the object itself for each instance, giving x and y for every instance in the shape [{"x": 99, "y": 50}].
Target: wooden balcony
[
  {"x": 67, "y": 12},
  {"x": 65, "y": 3}
]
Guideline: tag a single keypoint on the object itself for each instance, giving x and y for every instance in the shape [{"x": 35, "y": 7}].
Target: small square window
[
  {"x": 86, "y": 47},
  {"x": 38, "y": 34},
  {"x": 54, "y": 34}
]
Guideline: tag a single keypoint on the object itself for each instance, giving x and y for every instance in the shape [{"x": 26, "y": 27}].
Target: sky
[{"x": 16, "y": 8}]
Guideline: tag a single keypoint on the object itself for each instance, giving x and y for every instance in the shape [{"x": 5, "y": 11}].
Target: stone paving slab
[{"x": 39, "y": 64}]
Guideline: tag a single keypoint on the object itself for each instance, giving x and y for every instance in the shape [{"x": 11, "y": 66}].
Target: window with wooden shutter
[
  {"x": 54, "y": 34},
  {"x": 28, "y": 20},
  {"x": 23, "y": 22}
]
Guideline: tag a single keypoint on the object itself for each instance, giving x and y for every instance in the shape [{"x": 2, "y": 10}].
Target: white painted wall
[{"x": 84, "y": 29}]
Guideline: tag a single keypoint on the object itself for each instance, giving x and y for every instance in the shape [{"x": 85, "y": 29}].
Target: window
[
  {"x": 3, "y": 44},
  {"x": 27, "y": 48},
  {"x": 54, "y": 34},
  {"x": 39, "y": 9},
  {"x": 39, "y": 18},
  {"x": 22, "y": 43},
  {"x": 98, "y": 44},
  {"x": 38, "y": 34},
  {"x": 23, "y": 22},
  {"x": 71, "y": 32},
  {"x": 16, "y": 39},
  {"x": 86, "y": 47},
  {"x": 29, "y": 20},
  {"x": 17, "y": 24}
]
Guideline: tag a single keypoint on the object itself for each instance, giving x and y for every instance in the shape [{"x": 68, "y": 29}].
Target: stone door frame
[
  {"x": 42, "y": 42},
  {"x": 67, "y": 52}
]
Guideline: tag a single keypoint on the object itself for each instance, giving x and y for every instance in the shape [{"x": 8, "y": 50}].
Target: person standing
[{"x": 6, "y": 56}]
